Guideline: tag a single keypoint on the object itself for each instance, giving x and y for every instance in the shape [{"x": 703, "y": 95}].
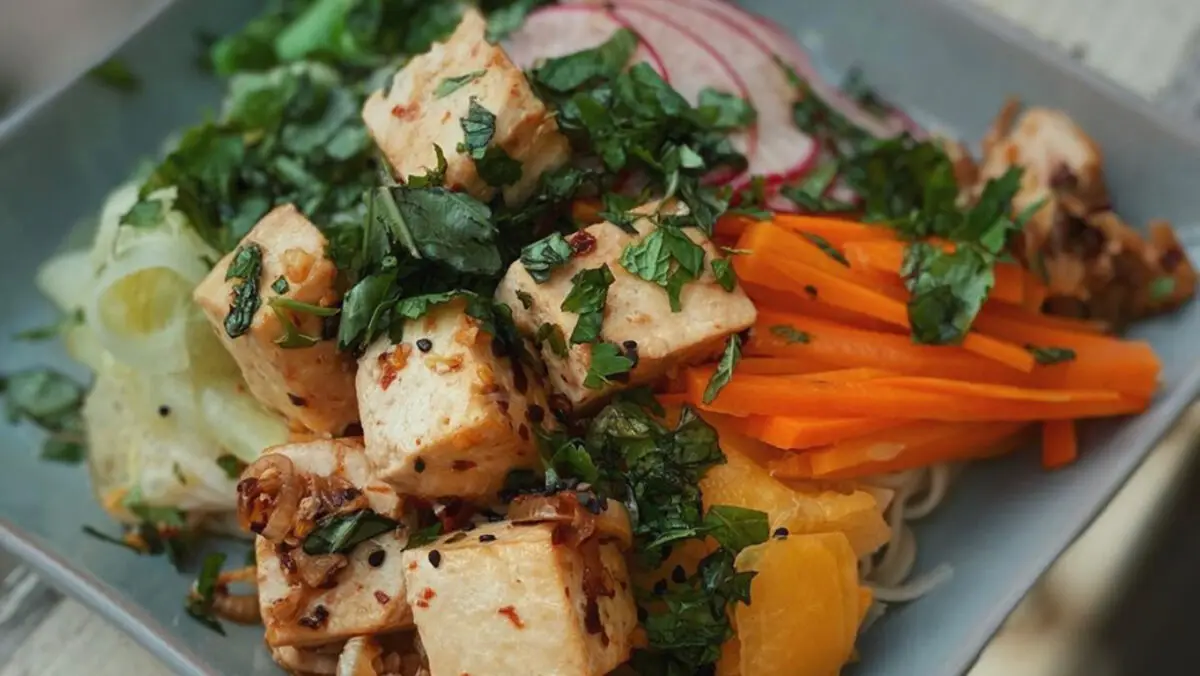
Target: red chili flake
[
  {"x": 511, "y": 613},
  {"x": 582, "y": 242},
  {"x": 463, "y": 465},
  {"x": 382, "y": 598},
  {"x": 427, "y": 595}
]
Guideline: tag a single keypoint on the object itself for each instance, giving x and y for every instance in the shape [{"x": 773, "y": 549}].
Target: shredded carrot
[
  {"x": 888, "y": 256},
  {"x": 806, "y": 301},
  {"x": 900, "y": 398},
  {"x": 1059, "y": 446},
  {"x": 1035, "y": 293},
  {"x": 772, "y": 366},
  {"x": 732, "y": 225},
  {"x": 914, "y": 445},
  {"x": 1011, "y": 313},
  {"x": 836, "y": 231},
  {"x": 801, "y": 433}
]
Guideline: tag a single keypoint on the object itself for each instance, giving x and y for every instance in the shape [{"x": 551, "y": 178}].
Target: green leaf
[
  {"x": 67, "y": 450},
  {"x": 587, "y": 298},
  {"x": 948, "y": 290},
  {"x": 497, "y": 168},
  {"x": 432, "y": 178},
  {"x": 1162, "y": 288},
  {"x": 723, "y": 271},
  {"x": 526, "y": 299},
  {"x": 415, "y": 307},
  {"x": 603, "y": 62},
  {"x": 246, "y": 267},
  {"x": 67, "y": 322},
  {"x": 809, "y": 192},
  {"x": 790, "y": 333},
  {"x": 53, "y": 402},
  {"x": 552, "y": 335},
  {"x": 145, "y": 214},
  {"x": 424, "y": 536},
  {"x": 507, "y": 18},
  {"x": 280, "y": 285},
  {"x": 826, "y": 248},
  {"x": 450, "y": 85},
  {"x": 479, "y": 126},
  {"x": 1051, "y": 355},
  {"x": 724, "y": 111},
  {"x": 606, "y": 363},
  {"x": 736, "y": 528},
  {"x": 116, "y": 75},
  {"x": 199, "y": 605},
  {"x": 649, "y": 259},
  {"x": 232, "y": 465},
  {"x": 365, "y": 310},
  {"x": 292, "y": 338},
  {"x": 724, "y": 372},
  {"x": 452, "y": 228},
  {"x": 306, "y": 308},
  {"x": 341, "y": 533}
]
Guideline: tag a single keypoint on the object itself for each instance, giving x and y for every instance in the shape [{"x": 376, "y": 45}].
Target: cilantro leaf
[
  {"x": 724, "y": 373},
  {"x": 424, "y": 536},
  {"x": 724, "y": 111},
  {"x": 452, "y": 228},
  {"x": 246, "y": 267},
  {"x": 723, "y": 271},
  {"x": 415, "y": 307},
  {"x": 543, "y": 256},
  {"x": 790, "y": 333},
  {"x": 606, "y": 363},
  {"x": 479, "y": 126},
  {"x": 736, "y": 528},
  {"x": 232, "y": 465},
  {"x": 826, "y": 248},
  {"x": 507, "y": 18},
  {"x": 605, "y": 61},
  {"x": 1051, "y": 355},
  {"x": 552, "y": 335},
  {"x": 587, "y": 298},
  {"x": 948, "y": 289},
  {"x": 280, "y": 285},
  {"x": 53, "y": 402},
  {"x": 810, "y": 193},
  {"x": 667, "y": 257},
  {"x": 497, "y": 168},
  {"x": 341, "y": 533},
  {"x": 452, "y": 84}
]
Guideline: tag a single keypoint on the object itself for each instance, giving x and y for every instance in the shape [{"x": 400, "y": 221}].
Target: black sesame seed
[
  {"x": 375, "y": 558},
  {"x": 164, "y": 410},
  {"x": 487, "y": 537},
  {"x": 678, "y": 575},
  {"x": 424, "y": 344},
  {"x": 435, "y": 558},
  {"x": 419, "y": 465},
  {"x": 780, "y": 534}
]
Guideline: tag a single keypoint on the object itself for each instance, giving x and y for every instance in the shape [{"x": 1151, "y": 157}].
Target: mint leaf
[
  {"x": 606, "y": 363},
  {"x": 587, "y": 298}
]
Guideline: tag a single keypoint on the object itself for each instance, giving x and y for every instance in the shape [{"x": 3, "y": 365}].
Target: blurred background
[{"x": 1119, "y": 603}]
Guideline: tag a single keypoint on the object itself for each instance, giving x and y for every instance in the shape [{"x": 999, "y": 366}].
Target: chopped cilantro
[
  {"x": 552, "y": 335},
  {"x": 246, "y": 267},
  {"x": 115, "y": 74},
  {"x": 452, "y": 84},
  {"x": 1162, "y": 288},
  {"x": 587, "y": 298},
  {"x": 67, "y": 322},
  {"x": 736, "y": 528},
  {"x": 723, "y": 271},
  {"x": 543, "y": 256},
  {"x": 432, "y": 178},
  {"x": 497, "y": 168},
  {"x": 232, "y": 465},
  {"x": 280, "y": 285},
  {"x": 810, "y": 193},
  {"x": 508, "y": 17},
  {"x": 424, "y": 536},
  {"x": 948, "y": 289},
  {"x": 606, "y": 363},
  {"x": 1051, "y": 355},
  {"x": 826, "y": 248},
  {"x": 526, "y": 299},
  {"x": 146, "y": 213},
  {"x": 479, "y": 126},
  {"x": 667, "y": 257},
  {"x": 604, "y": 62},
  {"x": 724, "y": 373},
  {"x": 790, "y": 333},
  {"x": 341, "y": 533},
  {"x": 53, "y": 402},
  {"x": 724, "y": 111}
]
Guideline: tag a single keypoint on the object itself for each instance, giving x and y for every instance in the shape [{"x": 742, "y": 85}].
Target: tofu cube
[
  {"x": 444, "y": 413},
  {"x": 414, "y": 115},
  {"x": 637, "y": 315},
  {"x": 312, "y": 386},
  {"x": 516, "y": 591},
  {"x": 368, "y": 596}
]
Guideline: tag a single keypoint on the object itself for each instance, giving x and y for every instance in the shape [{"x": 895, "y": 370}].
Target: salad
[{"x": 576, "y": 338}]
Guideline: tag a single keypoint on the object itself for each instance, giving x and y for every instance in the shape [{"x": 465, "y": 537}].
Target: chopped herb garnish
[
  {"x": 246, "y": 267},
  {"x": 1051, "y": 355},
  {"x": 790, "y": 333},
  {"x": 424, "y": 536},
  {"x": 607, "y": 361},
  {"x": 479, "y": 126},
  {"x": 736, "y": 528},
  {"x": 826, "y": 248},
  {"x": 115, "y": 74},
  {"x": 507, "y": 18},
  {"x": 810, "y": 192},
  {"x": 723, "y": 271},
  {"x": 199, "y": 604},
  {"x": 53, "y": 402},
  {"x": 292, "y": 338},
  {"x": 667, "y": 257},
  {"x": 341, "y": 533},
  {"x": 280, "y": 285},
  {"x": 146, "y": 213},
  {"x": 525, "y": 298},
  {"x": 604, "y": 62},
  {"x": 432, "y": 178},
  {"x": 724, "y": 373},
  {"x": 1162, "y": 288},
  {"x": 587, "y": 298},
  {"x": 232, "y": 465},
  {"x": 304, "y": 308},
  {"x": 452, "y": 84},
  {"x": 497, "y": 168},
  {"x": 552, "y": 335},
  {"x": 543, "y": 256}
]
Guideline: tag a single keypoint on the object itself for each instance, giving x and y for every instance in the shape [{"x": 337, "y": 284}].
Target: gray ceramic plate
[{"x": 1005, "y": 522}]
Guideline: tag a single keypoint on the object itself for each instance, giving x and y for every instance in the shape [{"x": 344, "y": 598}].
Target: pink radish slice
[
  {"x": 776, "y": 40},
  {"x": 691, "y": 62},
  {"x": 558, "y": 30}
]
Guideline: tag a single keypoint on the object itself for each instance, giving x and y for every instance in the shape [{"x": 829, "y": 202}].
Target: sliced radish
[
  {"x": 774, "y": 39},
  {"x": 558, "y": 30},
  {"x": 693, "y": 65}
]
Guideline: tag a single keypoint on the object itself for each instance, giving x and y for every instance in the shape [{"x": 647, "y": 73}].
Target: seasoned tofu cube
[
  {"x": 637, "y": 316},
  {"x": 289, "y": 363},
  {"x": 521, "y": 593},
  {"x": 445, "y": 412},
  {"x": 367, "y": 595},
  {"x": 434, "y": 92}
]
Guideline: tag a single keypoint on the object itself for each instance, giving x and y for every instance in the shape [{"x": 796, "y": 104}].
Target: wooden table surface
[{"x": 1149, "y": 46}]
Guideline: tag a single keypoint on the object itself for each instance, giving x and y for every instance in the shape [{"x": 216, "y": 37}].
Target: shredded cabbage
[{"x": 168, "y": 399}]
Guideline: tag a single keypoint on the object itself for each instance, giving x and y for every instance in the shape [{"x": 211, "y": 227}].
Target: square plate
[{"x": 1005, "y": 521}]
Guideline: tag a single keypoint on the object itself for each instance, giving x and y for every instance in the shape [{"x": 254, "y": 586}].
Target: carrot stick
[
  {"x": 888, "y": 256},
  {"x": 774, "y": 366},
  {"x": 801, "y": 433},
  {"x": 806, "y": 301},
  {"x": 1035, "y": 293},
  {"x": 732, "y": 225},
  {"x": 1043, "y": 333},
  {"x": 1094, "y": 367},
  {"x": 769, "y": 240},
  {"x": 914, "y": 445},
  {"x": 1011, "y": 313},
  {"x": 836, "y": 231},
  {"x": 880, "y": 398},
  {"x": 841, "y": 290},
  {"x": 1059, "y": 447}
]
